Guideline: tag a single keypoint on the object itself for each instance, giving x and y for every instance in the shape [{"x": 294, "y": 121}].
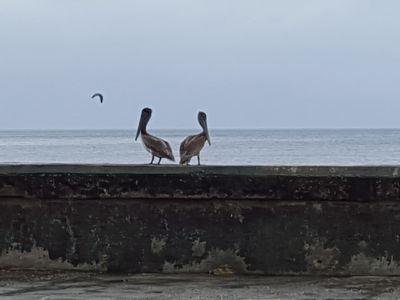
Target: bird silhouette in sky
[{"x": 98, "y": 95}]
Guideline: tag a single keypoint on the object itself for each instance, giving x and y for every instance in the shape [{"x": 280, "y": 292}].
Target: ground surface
[{"x": 71, "y": 285}]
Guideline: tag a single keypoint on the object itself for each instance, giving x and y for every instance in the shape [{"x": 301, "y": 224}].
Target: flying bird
[
  {"x": 156, "y": 146},
  {"x": 192, "y": 145},
  {"x": 98, "y": 95}
]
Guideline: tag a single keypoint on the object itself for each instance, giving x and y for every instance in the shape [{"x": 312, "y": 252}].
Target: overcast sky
[{"x": 246, "y": 63}]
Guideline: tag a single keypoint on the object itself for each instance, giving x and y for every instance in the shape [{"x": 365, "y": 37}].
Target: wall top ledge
[{"x": 303, "y": 171}]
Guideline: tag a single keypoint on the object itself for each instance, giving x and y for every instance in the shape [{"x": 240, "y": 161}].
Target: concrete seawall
[{"x": 221, "y": 220}]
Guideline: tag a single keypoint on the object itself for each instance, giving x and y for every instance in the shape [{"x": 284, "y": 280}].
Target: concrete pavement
[{"x": 35, "y": 285}]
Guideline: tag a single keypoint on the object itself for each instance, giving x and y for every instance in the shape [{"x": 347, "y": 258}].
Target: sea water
[{"x": 229, "y": 147}]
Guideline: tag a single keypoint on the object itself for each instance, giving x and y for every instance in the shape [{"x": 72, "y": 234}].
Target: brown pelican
[
  {"x": 192, "y": 145},
  {"x": 98, "y": 95},
  {"x": 156, "y": 146}
]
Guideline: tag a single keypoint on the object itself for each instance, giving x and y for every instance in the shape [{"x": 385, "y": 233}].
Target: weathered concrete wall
[{"x": 263, "y": 220}]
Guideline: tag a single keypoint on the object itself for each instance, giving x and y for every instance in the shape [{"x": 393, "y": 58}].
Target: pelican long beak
[
  {"x": 140, "y": 126},
  {"x": 206, "y": 133}
]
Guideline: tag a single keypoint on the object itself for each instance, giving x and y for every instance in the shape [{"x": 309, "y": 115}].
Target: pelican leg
[
  {"x": 198, "y": 159},
  {"x": 152, "y": 159},
  {"x": 159, "y": 161}
]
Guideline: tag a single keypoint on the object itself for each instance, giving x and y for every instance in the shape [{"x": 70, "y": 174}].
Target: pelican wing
[
  {"x": 191, "y": 146},
  {"x": 158, "y": 147}
]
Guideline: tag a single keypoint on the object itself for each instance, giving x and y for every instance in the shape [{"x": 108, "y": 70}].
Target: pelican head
[
  {"x": 202, "y": 117},
  {"x": 144, "y": 119}
]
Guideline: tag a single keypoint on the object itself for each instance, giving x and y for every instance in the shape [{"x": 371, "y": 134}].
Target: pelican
[
  {"x": 98, "y": 95},
  {"x": 192, "y": 145},
  {"x": 156, "y": 146}
]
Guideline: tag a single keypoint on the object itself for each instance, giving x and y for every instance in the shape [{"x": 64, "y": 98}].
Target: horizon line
[{"x": 187, "y": 129}]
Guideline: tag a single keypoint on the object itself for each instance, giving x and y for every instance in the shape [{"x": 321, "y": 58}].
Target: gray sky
[{"x": 247, "y": 63}]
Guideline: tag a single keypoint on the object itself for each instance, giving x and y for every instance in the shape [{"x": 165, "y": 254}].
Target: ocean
[{"x": 229, "y": 147}]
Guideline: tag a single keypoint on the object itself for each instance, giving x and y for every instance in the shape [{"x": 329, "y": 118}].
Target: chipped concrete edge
[
  {"x": 217, "y": 262},
  {"x": 322, "y": 260},
  {"x": 38, "y": 258}
]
